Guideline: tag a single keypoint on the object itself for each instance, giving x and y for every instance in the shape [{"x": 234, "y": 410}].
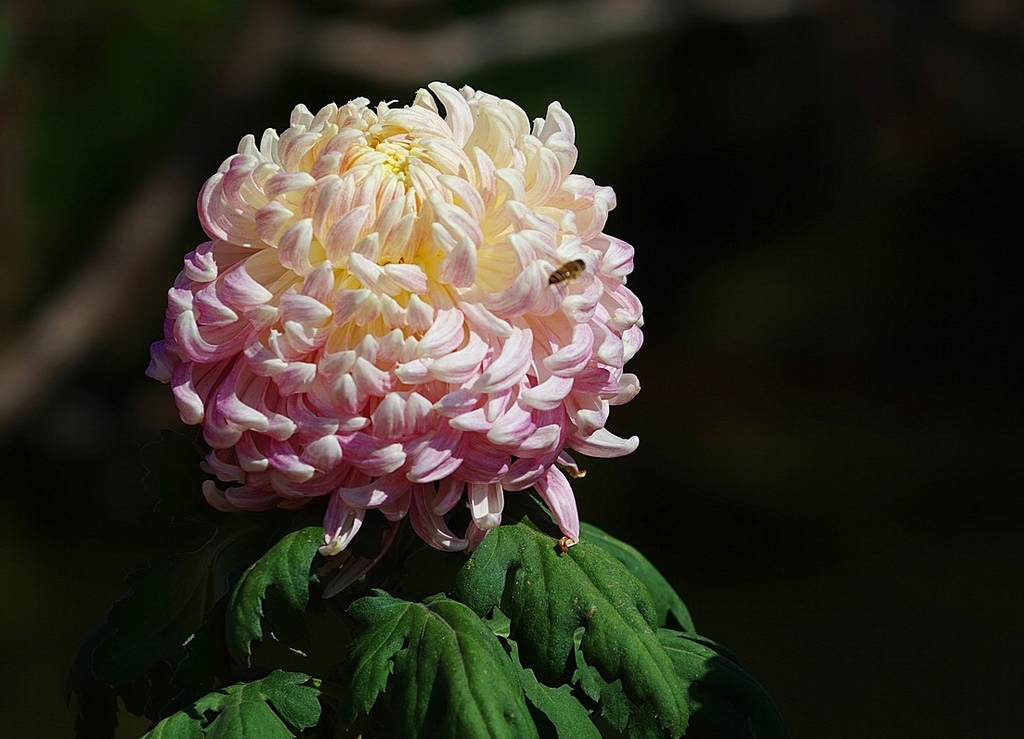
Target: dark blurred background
[{"x": 825, "y": 200}]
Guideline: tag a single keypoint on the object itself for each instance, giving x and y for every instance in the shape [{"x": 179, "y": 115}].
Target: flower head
[{"x": 400, "y": 310}]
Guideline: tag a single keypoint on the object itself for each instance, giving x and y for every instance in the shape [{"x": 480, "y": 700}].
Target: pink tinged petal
[
  {"x": 458, "y": 115},
  {"x": 632, "y": 340},
  {"x": 342, "y": 236},
  {"x": 413, "y": 373},
  {"x": 419, "y": 315},
  {"x": 250, "y": 498},
  {"x": 333, "y": 364},
  {"x": 279, "y": 426},
  {"x": 431, "y": 527},
  {"x": 474, "y": 420},
  {"x": 200, "y": 265},
  {"x": 589, "y": 420},
  {"x": 604, "y": 444},
  {"x": 512, "y": 428},
  {"x": 482, "y": 462},
  {"x": 396, "y": 508},
  {"x": 368, "y": 272},
  {"x": 284, "y": 460},
  {"x": 191, "y": 341},
  {"x": 271, "y": 220},
  {"x": 376, "y": 493},
  {"x": 510, "y": 366},
  {"x": 356, "y": 567},
  {"x": 388, "y": 419},
  {"x": 392, "y": 347},
  {"x": 224, "y": 468},
  {"x": 303, "y": 309},
  {"x": 372, "y": 456},
  {"x": 444, "y": 335},
  {"x": 522, "y": 294},
  {"x": 324, "y": 453},
  {"x": 557, "y": 122},
  {"x": 548, "y": 394},
  {"x": 543, "y": 176},
  {"x": 319, "y": 284},
  {"x": 526, "y": 471},
  {"x": 263, "y": 361},
  {"x": 410, "y": 277},
  {"x": 211, "y": 215},
  {"x": 557, "y": 494},
  {"x": 617, "y": 260},
  {"x": 216, "y": 498},
  {"x": 610, "y": 350},
  {"x": 419, "y": 414},
  {"x": 442, "y": 238},
  {"x": 397, "y": 240},
  {"x": 358, "y": 306},
  {"x": 368, "y": 246},
  {"x": 545, "y": 440},
  {"x": 572, "y": 358},
  {"x": 297, "y": 377},
  {"x": 449, "y": 493},
  {"x": 435, "y": 456},
  {"x": 341, "y": 523},
  {"x": 581, "y": 308},
  {"x": 457, "y": 221},
  {"x": 250, "y": 457},
  {"x": 457, "y": 402},
  {"x": 294, "y": 247},
  {"x": 510, "y": 185},
  {"x": 369, "y": 379},
  {"x": 485, "y": 321},
  {"x": 462, "y": 365},
  {"x": 323, "y": 198},
  {"x": 239, "y": 290},
  {"x": 345, "y": 395},
  {"x": 227, "y": 417},
  {"x": 209, "y": 309},
  {"x": 468, "y": 197},
  {"x": 486, "y": 502},
  {"x": 162, "y": 361},
  {"x": 459, "y": 267},
  {"x": 190, "y": 404},
  {"x": 388, "y": 217},
  {"x": 311, "y": 425},
  {"x": 629, "y": 386}
]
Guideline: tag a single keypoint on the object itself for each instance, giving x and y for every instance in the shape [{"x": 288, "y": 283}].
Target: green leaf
[
  {"x": 720, "y": 688},
  {"x": 154, "y": 647},
  {"x": 666, "y": 600},
  {"x": 278, "y": 706},
  {"x": 445, "y": 673},
  {"x": 549, "y": 596},
  {"x": 168, "y": 602},
  {"x": 286, "y": 567},
  {"x": 563, "y": 716}
]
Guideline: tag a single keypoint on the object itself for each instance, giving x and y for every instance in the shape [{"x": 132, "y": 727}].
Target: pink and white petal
[
  {"x": 486, "y": 502},
  {"x": 429, "y": 526},
  {"x": 341, "y": 523},
  {"x": 557, "y": 494},
  {"x": 604, "y": 444}
]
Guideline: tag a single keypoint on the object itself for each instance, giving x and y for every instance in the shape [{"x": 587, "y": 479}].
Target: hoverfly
[{"x": 567, "y": 271}]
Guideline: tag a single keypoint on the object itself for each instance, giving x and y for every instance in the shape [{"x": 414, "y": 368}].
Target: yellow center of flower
[{"x": 396, "y": 157}]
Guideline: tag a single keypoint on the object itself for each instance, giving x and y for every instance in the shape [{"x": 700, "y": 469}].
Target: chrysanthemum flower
[{"x": 377, "y": 317}]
